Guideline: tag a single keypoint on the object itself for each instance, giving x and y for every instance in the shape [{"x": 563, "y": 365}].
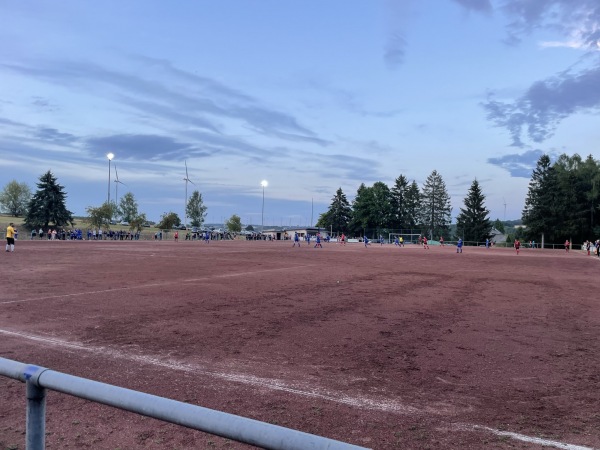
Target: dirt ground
[{"x": 381, "y": 347}]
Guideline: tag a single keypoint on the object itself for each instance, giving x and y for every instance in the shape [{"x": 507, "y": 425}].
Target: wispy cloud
[
  {"x": 394, "y": 50},
  {"x": 482, "y": 6},
  {"x": 518, "y": 165},
  {"x": 545, "y": 104},
  {"x": 578, "y": 21},
  {"x": 164, "y": 92}
]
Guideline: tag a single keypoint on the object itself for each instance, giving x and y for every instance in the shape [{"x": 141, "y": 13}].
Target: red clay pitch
[{"x": 412, "y": 348}]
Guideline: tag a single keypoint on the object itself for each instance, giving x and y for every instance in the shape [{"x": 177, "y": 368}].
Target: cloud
[
  {"x": 545, "y": 104},
  {"x": 482, "y": 6},
  {"x": 165, "y": 91},
  {"x": 144, "y": 147},
  {"x": 398, "y": 15},
  {"x": 54, "y": 136},
  {"x": 395, "y": 49},
  {"x": 577, "y": 20},
  {"x": 518, "y": 165}
]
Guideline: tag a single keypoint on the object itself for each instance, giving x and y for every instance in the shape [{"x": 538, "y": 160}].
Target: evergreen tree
[
  {"x": 381, "y": 211},
  {"x": 473, "y": 223},
  {"x": 435, "y": 206},
  {"x": 399, "y": 203},
  {"x": 195, "y": 209},
  {"x": 14, "y": 198},
  {"x": 498, "y": 225},
  {"x": 361, "y": 210},
  {"x": 339, "y": 214},
  {"x": 544, "y": 206},
  {"x": 48, "y": 205},
  {"x": 413, "y": 206}
]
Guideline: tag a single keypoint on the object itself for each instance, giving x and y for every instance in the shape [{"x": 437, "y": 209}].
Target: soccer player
[
  {"x": 318, "y": 244},
  {"x": 567, "y": 244},
  {"x": 366, "y": 241},
  {"x": 296, "y": 239},
  {"x": 401, "y": 241},
  {"x": 487, "y": 243},
  {"x": 442, "y": 241},
  {"x": 10, "y": 238},
  {"x": 459, "y": 245},
  {"x": 397, "y": 242},
  {"x": 517, "y": 245},
  {"x": 425, "y": 243}
]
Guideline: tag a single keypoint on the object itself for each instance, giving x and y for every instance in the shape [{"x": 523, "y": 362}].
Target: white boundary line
[
  {"x": 384, "y": 405},
  {"x": 149, "y": 285}
]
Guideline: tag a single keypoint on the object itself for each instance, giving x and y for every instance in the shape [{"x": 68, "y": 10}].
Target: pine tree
[
  {"x": 413, "y": 206},
  {"x": 435, "y": 206},
  {"x": 543, "y": 211},
  {"x": 381, "y": 207},
  {"x": 399, "y": 204},
  {"x": 473, "y": 222},
  {"x": 48, "y": 205},
  {"x": 339, "y": 214},
  {"x": 361, "y": 210}
]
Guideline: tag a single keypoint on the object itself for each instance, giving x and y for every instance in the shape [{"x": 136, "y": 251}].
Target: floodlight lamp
[
  {"x": 110, "y": 156},
  {"x": 264, "y": 183}
]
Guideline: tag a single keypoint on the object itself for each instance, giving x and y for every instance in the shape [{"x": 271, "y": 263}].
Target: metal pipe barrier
[{"x": 241, "y": 429}]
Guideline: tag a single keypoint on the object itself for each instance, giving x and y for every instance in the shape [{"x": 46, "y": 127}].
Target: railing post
[
  {"x": 36, "y": 408},
  {"x": 36, "y": 416}
]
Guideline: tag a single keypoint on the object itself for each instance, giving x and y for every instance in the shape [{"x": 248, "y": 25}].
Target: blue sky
[{"x": 310, "y": 95}]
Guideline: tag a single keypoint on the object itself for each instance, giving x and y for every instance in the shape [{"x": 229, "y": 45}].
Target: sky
[{"x": 310, "y": 96}]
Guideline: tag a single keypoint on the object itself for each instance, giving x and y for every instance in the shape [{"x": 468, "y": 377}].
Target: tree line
[
  {"x": 48, "y": 206},
  {"x": 380, "y": 209},
  {"x": 563, "y": 200},
  {"x": 562, "y": 203}
]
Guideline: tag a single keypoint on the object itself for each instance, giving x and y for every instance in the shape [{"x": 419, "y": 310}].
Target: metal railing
[{"x": 241, "y": 429}]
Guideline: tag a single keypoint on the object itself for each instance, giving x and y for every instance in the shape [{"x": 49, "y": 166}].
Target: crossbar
[{"x": 219, "y": 423}]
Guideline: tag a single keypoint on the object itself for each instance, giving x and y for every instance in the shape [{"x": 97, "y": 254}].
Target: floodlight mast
[{"x": 264, "y": 184}]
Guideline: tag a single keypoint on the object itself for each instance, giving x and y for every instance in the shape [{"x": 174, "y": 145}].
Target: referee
[{"x": 10, "y": 238}]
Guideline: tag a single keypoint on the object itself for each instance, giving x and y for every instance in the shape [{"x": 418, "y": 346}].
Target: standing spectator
[
  {"x": 10, "y": 238},
  {"x": 33, "y": 233}
]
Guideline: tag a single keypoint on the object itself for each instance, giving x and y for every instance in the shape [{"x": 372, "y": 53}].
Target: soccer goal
[{"x": 409, "y": 238}]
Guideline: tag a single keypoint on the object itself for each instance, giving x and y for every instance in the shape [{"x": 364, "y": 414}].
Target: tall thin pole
[
  {"x": 263, "y": 212},
  {"x": 108, "y": 200},
  {"x": 312, "y": 207}
]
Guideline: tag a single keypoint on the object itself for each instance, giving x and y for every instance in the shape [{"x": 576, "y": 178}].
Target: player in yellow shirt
[{"x": 10, "y": 238}]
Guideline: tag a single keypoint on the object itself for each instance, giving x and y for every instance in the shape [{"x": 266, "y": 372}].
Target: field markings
[
  {"x": 150, "y": 285},
  {"x": 384, "y": 405}
]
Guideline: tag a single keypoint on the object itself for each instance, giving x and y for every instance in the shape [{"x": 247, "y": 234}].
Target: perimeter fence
[{"x": 261, "y": 434}]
